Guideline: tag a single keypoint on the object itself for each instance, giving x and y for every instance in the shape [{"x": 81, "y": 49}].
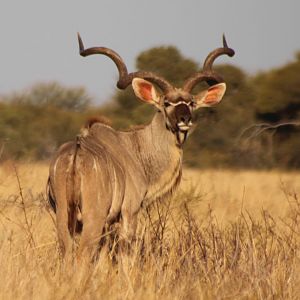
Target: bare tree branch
[{"x": 261, "y": 127}]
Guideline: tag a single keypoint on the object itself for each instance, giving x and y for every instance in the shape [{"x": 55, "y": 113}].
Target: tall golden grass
[{"x": 224, "y": 235}]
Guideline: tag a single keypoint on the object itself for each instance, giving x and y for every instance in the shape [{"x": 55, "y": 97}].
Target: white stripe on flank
[{"x": 94, "y": 165}]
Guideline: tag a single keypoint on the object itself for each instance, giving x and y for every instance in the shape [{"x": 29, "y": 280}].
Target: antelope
[{"x": 106, "y": 176}]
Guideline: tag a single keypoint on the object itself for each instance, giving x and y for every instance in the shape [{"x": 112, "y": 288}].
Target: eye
[{"x": 167, "y": 103}]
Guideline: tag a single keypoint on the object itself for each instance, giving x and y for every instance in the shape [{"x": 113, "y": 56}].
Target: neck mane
[{"x": 156, "y": 149}]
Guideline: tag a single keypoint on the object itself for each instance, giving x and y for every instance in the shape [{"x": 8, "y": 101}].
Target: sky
[{"x": 38, "y": 40}]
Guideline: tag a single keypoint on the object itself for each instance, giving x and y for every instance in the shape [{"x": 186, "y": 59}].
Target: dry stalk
[{"x": 28, "y": 225}]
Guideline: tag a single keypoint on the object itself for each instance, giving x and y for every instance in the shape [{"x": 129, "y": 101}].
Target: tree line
[{"x": 255, "y": 126}]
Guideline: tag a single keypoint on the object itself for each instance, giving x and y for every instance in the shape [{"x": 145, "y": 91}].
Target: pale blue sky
[{"x": 38, "y": 38}]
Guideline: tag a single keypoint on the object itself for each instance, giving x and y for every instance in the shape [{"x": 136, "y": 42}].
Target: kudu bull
[{"x": 106, "y": 175}]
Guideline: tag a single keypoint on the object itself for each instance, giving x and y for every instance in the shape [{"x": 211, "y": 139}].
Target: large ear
[
  {"x": 212, "y": 96},
  {"x": 145, "y": 90}
]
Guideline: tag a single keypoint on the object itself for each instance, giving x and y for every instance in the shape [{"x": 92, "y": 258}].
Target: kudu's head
[{"x": 176, "y": 104}]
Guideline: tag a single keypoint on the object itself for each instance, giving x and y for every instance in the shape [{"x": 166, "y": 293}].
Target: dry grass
[{"x": 226, "y": 235}]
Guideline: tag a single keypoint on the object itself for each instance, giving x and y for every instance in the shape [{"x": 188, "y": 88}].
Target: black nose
[
  {"x": 183, "y": 113},
  {"x": 186, "y": 119}
]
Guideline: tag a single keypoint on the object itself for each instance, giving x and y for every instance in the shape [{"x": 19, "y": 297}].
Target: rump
[{"x": 62, "y": 187}]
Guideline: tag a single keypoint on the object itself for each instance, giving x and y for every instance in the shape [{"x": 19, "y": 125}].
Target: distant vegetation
[{"x": 242, "y": 131}]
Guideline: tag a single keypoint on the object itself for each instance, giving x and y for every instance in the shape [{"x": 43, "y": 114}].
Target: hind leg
[
  {"x": 95, "y": 208},
  {"x": 64, "y": 237},
  {"x": 93, "y": 225}
]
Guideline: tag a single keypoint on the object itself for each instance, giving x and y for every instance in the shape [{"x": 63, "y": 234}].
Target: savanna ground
[{"x": 224, "y": 235}]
